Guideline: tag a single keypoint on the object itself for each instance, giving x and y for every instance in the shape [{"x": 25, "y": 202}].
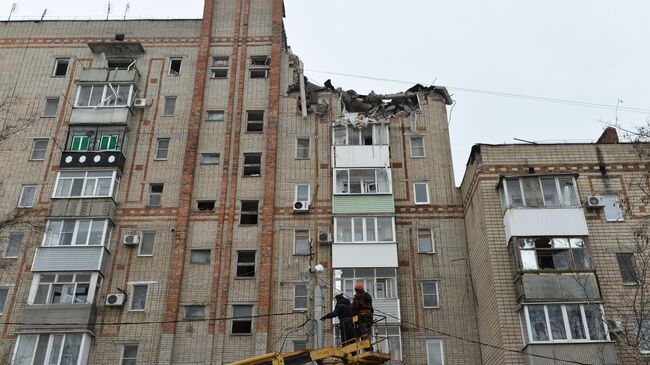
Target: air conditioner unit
[
  {"x": 595, "y": 201},
  {"x": 300, "y": 206},
  {"x": 615, "y": 326},
  {"x": 131, "y": 240},
  {"x": 140, "y": 103},
  {"x": 324, "y": 237},
  {"x": 115, "y": 299}
]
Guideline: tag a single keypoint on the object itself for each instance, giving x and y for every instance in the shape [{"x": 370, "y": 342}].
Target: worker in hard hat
[
  {"x": 362, "y": 307},
  {"x": 342, "y": 310}
]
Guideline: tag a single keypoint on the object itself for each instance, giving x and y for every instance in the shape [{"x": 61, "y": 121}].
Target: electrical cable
[{"x": 503, "y": 94}]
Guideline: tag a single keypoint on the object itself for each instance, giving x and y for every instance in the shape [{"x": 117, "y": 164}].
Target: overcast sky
[{"x": 592, "y": 51}]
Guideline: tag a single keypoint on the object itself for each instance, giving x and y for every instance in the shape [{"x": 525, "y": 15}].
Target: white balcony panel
[
  {"x": 71, "y": 258},
  {"x": 384, "y": 307},
  {"x": 523, "y": 222},
  {"x": 360, "y": 156},
  {"x": 364, "y": 255}
]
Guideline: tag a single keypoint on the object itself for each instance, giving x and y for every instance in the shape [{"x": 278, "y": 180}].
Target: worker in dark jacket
[
  {"x": 342, "y": 310},
  {"x": 362, "y": 307}
]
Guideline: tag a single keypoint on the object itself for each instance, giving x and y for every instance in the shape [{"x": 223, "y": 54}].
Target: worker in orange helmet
[{"x": 362, "y": 307}]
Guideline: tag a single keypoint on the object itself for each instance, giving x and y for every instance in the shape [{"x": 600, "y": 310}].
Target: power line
[
  {"x": 504, "y": 94},
  {"x": 118, "y": 323}
]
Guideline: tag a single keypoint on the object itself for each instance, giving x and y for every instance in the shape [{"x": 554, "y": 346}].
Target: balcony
[
  {"x": 360, "y": 156},
  {"x": 71, "y": 259},
  {"x": 601, "y": 353},
  {"x": 83, "y": 207},
  {"x": 347, "y": 255},
  {"x": 384, "y": 307},
  {"x": 98, "y": 75},
  {"x": 527, "y": 222},
  {"x": 90, "y": 159},
  {"x": 368, "y": 203},
  {"x": 101, "y": 115},
  {"x": 536, "y": 287},
  {"x": 59, "y": 316}
]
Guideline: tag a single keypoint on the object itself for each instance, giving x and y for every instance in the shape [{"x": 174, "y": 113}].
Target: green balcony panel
[{"x": 352, "y": 204}]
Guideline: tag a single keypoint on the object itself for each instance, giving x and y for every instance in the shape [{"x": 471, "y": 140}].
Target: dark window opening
[
  {"x": 155, "y": 194},
  {"x": 61, "y": 66},
  {"x": 252, "y": 164},
  {"x": 255, "y": 121},
  {"x": 242, "y": 322},
  {"x": 553, "y": 253},
  {"x": 205, "y": 205},
  {"x": 249, "y": 212},
  {"x": 219, "y": 73},
  {"x": 120, "y": 63},
  {"x": 627, "y": 267},
  {"x": 245, "y": 264},
  {"x": 259, "y": 73},
  {"x": 260, "y": 60},
  {"x": 175, "y": 66}
]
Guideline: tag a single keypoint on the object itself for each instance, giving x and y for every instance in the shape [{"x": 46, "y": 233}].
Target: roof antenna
[
  {"x": 126, "y": 10},
  {"x": 13, "y": 8},
  {"x": 43, "y": 16},
  {"x": 108, "y": 10}
]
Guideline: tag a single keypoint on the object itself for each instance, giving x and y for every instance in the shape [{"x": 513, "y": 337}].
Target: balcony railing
[
  {"x": 71, "y": 259},
  {"x": 59, "y": 316},
  {"x": 536, "y": 287},
  {"x": 348, "y": 254},
  {"x": 90, "y": 159},
  {"x": 97, "y": 75},
  {"x": 114, "y": 116},
  {"x": 530, "y": 222}
]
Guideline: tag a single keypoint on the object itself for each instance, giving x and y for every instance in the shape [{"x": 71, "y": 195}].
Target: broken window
[
  {"x": 120, "y": 63},
  {"x": 252, "y": 164},
  {"x": 254, "y": 121},
  {"x": 259, "y": 68},
  {"x": 175, "y": 64},
  {"x": 362, "y": 181},
  {"x": 170, "y": 106},
  {"x": 51, "y": 106},
  {"x": 245, "y": 264},
  {"x": 534, "y": 191},
  {"x": 379, "y": 282},
  {"x": 373, "y": 134},
  {"x": 627, "y": 267},
  {"x": 155, "y": 195},
  {"x": 249, "y": 212},
  {"x": 219, "y": 68},
  {"x": 216, "y": 116},
  {"x": 27, "y": 195},
  {"x": 104, "y": 95},
  {"x": 211, "y": 158},
  {"x": 205, "y": 205},
  {"x": 557, "y": 254},
  {"x": 242, "y": 322},
  {"x": 14, "y": 242},
  {"x": 139, "y": 297},
  {"x": 200, "y": 256},
  {"x": 60, "y": 66}
]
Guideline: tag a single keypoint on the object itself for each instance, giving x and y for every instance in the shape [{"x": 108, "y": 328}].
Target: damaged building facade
[{"x": 174, "y": 188}]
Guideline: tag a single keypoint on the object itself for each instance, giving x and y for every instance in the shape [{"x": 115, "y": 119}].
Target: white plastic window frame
[
  {"x": 440, "y": 344},
  {"x": 106, "y": 233},
  {"x": 506, "y": 194},
  {"x": 296, "y": 192},
  {"x": 415, "y": 193},
  {"x": 21, "y": 204},
  {"x": 106, "y": 92},
  {"x": 567, "y": 328},
  {"x": 93, "y": 288},
  {"x": 424, "y": 150},
  {"x": 296, "y": 296},
  {"x": 436, "y": 294},
  {"x": 114, "y": 183},
  {"x": 389, "y": 181},
  {"x": 336, "y": 220}
]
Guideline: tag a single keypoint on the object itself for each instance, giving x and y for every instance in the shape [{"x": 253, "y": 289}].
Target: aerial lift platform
[{"x": 352, "y": 354}]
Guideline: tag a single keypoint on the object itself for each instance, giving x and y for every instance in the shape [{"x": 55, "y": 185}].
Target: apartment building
[{"x": 170, "y": 188}]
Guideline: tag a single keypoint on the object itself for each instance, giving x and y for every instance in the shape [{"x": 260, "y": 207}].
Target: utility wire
[
  {"x": 156, "y": 322},
  {"x": 504, "y": 94}
]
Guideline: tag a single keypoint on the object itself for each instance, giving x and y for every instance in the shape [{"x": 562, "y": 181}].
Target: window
[
  {"x": 299, "y": 345},
  {"x": 59, "y": 348},
  {"x": 147, "y": 243},
  {"x": 4, "y": 293},
  {"x": 425, "y": 240},
  {"x": 643, "y": 327},
  {"x": 627, "y": 267},
  {"x": 216, "y": 116},
  {"x": 421, "y": 193},
  {"x": 564, "y": 322},
  {"x": 364, "y": 229},
  {"x": 613, "y": 209},
  {"x": 205, "y": 205},
  {"x": 129, "y": 354},
  {"x": 254, "y": 121},
  {"x": 139, "y": 297},
  {"x": 301, "y": 245},
  {"x": 362, "y": 181},
  {"x": 252, "y": 164},
  {"x": 155, "y": 194},
  {"x": 435, "y": 354},
  {"x": 104, "y": 95},
  {"x": 378, "y": 282},
  {"x": 81, "y": 184},
  {"x": 302, "y": 148},
  {"x": 162, "y": 148},
  {"x": 259, "y": 67},
  {"x": 373, "y": 134},
  {"x": 417, "y": 146},
  {"x": 242, "y": 323},
  {"x": 195, "y": 312},
  {"x": 60, "y": 66},
  {"x": 550, "y": 253},
  {"x": 82, "y": 232},
  {"x": 245, "y": 264},
  {"x": 219, "y": 68},
  {"x": 120, "y": 63},
  {"x": 200, "y": 256},
  {"x": 51, "y": 106},
  {"x": 63, "y": 289},
  {"x": 170, "y": 106},
  {"x": 108, "y": 142},
  {"x": 300, "y": 297},
  {"x": 79, "y": 143},
  {"x": 39, "y": 147},
  {"x": 96, "y": 138},
  {"x": 249, "y": 212},
  {"x": 430, "y": 294},
  {"x": 27, "y": 194},
  {"x": 14, "y": 241},
  {"x": 210, "y": 158},
  {"x": 302, "y": 193},
  {"x": 534, "y": 191},
  {"x": 175, "y": 64},
  {"x": 390, "y": 341}
]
